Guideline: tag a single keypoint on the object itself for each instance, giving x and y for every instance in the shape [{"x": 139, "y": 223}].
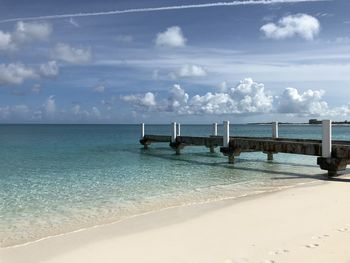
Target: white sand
[{"x": 303, "y": 224}]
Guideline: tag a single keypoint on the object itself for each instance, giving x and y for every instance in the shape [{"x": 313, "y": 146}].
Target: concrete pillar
[
  {"x": 178, "y": 129},
  {"x": 270, "y": 156},
  {"x": 275, "y": 129},
  {"x": 326, "y": 138},
  {"x": 215, "y": 129},
  {"x": 231, "y": 159},
  {"x": 142, "y": 130},
  {"x": 226, "y": 137},
  {"x": 173, "y": 134},
  {"x": 212, "y": 149}
]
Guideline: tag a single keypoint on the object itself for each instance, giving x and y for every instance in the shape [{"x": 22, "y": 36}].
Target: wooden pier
[{"x": 333, "y": 156}]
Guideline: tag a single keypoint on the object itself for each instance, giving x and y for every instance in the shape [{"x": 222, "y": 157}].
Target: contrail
[{"x": 154, "y": 9}]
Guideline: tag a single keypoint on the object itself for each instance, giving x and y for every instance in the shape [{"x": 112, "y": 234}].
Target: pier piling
[
  {"x": 142, "y": 130},
  {"x": 226, "y": 138},
  {"x": 275, "y": 129},
  {"x": 274, "y": 136},
  {"x": 326, "y": 138},
  {"x": 145, "y": 146},
  {"x": 178, "y": 129},
  {"x": 215, "y": 129},
  {"x": 173, "y": 134}
]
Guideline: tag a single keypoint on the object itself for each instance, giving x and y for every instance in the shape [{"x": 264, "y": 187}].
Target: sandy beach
[{"x": 308, "y": 223}]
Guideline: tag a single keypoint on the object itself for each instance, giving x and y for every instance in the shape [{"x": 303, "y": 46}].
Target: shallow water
[{"x": 59, "y": 178}]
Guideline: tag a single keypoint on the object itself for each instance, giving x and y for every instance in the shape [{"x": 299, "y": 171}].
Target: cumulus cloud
[
  {"x": 24, "y": 32},
  {"x": 16, "y": 111},
  {"x": 72, "y": 55},
  {"x": 247, "y": 97},
  {"x": 309, "y": 102},
  {"x": 96, "y": 112},
  {"x": 147, "y": 100},
  {"x": 191, "y": 71},
  {"x": 171, "y": 37},
  {"x": 30, "y": 31},
  {"x": 50, "y": 69},
  {"x": 343, "y": 110},
  {"x": 99, "y": 88},
  {"x": 50, "y": 106},
  {"x": 301, "y": 25},
  {"x": 178, "y": 100},
  {"x": 6, "y": 42},
  {"x": 15, "y": 73}
]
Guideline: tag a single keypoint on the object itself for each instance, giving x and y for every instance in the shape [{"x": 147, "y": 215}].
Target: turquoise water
[{"x": 60, "y": 178}]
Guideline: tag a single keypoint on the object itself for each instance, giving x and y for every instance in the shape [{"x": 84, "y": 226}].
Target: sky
[{"x": 187, "y": 61}]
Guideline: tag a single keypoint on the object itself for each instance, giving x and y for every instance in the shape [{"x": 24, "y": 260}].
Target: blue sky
[{"x": 245, "y": 61}]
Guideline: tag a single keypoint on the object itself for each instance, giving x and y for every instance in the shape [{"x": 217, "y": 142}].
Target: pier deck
[{"x": 333, "y": 156}]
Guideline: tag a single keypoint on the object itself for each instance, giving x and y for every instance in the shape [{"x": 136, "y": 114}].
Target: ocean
[{"x": 56, "y": 179}]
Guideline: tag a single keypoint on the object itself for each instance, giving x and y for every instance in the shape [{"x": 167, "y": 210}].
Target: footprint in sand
[
  {"x": 312, "y": 245},
  {"x": 320, "y": 237},
  {"x": 344, "y": 229},
  {"x": 242, "y": 260},
  {"x": 278, "y": 252}
]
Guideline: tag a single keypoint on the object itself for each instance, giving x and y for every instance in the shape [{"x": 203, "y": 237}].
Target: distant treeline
[{"x": 311, "y": 121}]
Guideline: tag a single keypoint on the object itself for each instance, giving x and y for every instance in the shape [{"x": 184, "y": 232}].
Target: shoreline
[
  {"x": 187, "y": 220},
  {"x": 239, "y": 198}
]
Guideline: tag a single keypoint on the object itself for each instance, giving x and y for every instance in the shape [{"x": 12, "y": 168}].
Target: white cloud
[
  {"x": 79, "y": 112},
  {"x": 99, "y": 88},
  {"x": 309, "y": 102},
  {"x": 340, "y": 111},
  {"x": 96, "y": 112},
  {"x": 124, "y": 38},
  {"x": 36, "y": 88},
  {"x": 6, "y": 42},
  {"x": 50, "y": 106},
  {"x": 191, "y": 71},
  {"x": 302, "y": 25},
  {"x": 146, "y": 101},
  {"x": 178, "y": 99},
  {"x": 172, "y": 37},
  {"x": 50, "y": 69},
  {"x": 30, "y": 31},
  {"x": 16, "y": 111},
  {"x": 24, "y": 32},
  {"x": 15, "y": 73},
  {"x": 247, "y": 97},
  {"x": 223, "y": 86},
  {"x": 70, "y": 54}
]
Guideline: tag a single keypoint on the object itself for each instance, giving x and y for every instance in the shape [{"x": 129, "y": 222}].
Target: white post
[
  {"x": 275, "y": 129},
  {"x": 178, "y": 129},
  {"x": 326, "y": 138},
  {"x": 142, "y": 130},
  {"x": 215, "y": 129},
  {"x": 226, "y": 133},
  {"x": 173, "y": 135}
]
